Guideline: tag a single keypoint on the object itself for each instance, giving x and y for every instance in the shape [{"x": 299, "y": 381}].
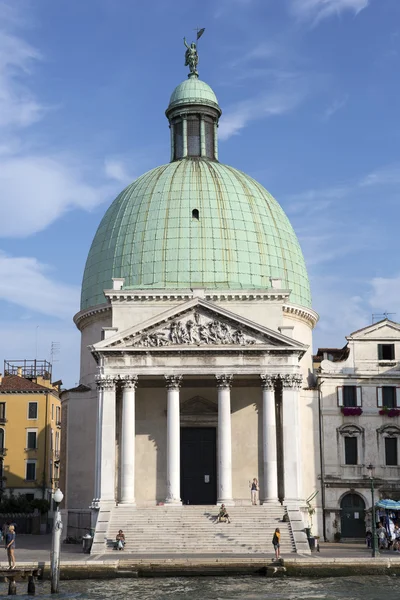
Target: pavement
[{"x": 36, "y": 549}]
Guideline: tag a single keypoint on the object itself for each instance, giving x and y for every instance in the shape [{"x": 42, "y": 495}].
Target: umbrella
[{"x": 388, "y": 504}]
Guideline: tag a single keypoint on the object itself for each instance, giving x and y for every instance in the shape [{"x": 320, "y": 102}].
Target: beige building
[{"x": 359, "y": 389}]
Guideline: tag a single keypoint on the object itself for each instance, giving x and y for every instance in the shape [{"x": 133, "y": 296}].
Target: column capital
[
  {"x": 173, "y": 382},
  {"x": 224, "y": 381},
  {"x": 105, "y": 382},
  {"x": 268, "y": 382},
  {"x": 128, "y": 382},
  {"x": 292, "y": 380}
]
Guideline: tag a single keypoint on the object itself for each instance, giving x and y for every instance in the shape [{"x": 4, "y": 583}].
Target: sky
[{"x": 309, "y": 91}]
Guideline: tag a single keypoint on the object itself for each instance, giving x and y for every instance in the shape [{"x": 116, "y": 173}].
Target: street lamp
[
  {"x": 375, "y": 551},
  {"x": 56, "y": 543}
]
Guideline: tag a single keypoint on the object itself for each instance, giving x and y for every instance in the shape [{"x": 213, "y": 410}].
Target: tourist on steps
[
  {"x": 223, "y": 516},
  {"x": 120, "y": 540},
  {"x": 10, "y": 546},
  {"x": 276, "y": 542},
  {"x": 254, "y": 489}
]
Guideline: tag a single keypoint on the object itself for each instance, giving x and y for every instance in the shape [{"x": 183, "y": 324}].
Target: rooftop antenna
[
  {"x": 379, "y": 316},
  {"x": 55, "y": 349}
]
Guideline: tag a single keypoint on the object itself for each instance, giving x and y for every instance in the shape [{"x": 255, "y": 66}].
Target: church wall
[
  {"x": 134, "y": 313},
  {"x": 247, "y": 440},
  {"x": 151, "y": 445},
  {"x": 302, "y": 332},
  {"x": 81, "y": 435},
  {"x": 91, "y": 334}
]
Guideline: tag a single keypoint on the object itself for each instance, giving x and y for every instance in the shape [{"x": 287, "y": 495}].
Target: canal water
[{"x": 222, "y": 588}]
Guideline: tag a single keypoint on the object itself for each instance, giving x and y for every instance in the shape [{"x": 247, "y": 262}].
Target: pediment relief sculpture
[{"x": 198, "y": 329}]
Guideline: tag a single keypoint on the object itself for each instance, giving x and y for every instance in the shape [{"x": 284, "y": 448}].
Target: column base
[
  {"x": 170, "y": 502},
  {"x": 227, "y": 502}
]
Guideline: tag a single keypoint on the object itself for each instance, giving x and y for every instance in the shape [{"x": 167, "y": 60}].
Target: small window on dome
[{"x": 195, "y": 214}]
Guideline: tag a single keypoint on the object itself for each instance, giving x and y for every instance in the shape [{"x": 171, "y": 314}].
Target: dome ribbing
[{"x": 239, "y": 238}]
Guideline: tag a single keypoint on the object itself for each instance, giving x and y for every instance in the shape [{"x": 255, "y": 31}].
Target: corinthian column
[
  {"x": 270, "y": 490},
  {"x": 291, "y": 438},
  {"x": 224, "y": 383},
  {"x": 128, "y": 440},
  {"x": 105, "y": 441},
  {"x": 173, "y": 383}
]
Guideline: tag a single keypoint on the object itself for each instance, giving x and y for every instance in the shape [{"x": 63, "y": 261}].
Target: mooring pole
[
  {"x": 12, "y": 586},
  {"x": 56, "y": 543},
  {"x": 31, "y": 586}
]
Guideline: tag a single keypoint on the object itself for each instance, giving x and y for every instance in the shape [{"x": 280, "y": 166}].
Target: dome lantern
[{"x": 193, "y": 115}]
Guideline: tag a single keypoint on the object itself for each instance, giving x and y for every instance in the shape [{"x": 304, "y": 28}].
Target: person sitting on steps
[
  {"x": 223, "y": 516},
  {"x": 120, "y": 540}
]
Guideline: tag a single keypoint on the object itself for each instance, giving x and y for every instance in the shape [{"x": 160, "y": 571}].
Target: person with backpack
[{"x": 276, "y": 542}]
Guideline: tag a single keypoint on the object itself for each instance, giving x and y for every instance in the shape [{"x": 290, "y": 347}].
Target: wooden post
[
  {"x": 12, "y": 586},
  {"x": 31, "y": 586}
]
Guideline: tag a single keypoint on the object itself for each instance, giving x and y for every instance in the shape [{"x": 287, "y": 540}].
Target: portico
[{"x": 240, "y": 360}]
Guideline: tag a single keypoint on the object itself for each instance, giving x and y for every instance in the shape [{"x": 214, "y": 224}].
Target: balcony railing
[{"x": 30, "y": 449}]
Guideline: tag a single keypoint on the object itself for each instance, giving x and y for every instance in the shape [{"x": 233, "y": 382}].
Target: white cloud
[
  {"x": 275, "y": 103},
  {"x": 334, "y": 107},
  {"x": 389, "y": 175},
  {"x": 316, "y": 10},
  {"x": 41, "y": 189},
  {"x": 117, "y": 170},
  {"x": 18, "y": 106},
  {"x": 26, "y": 282}
]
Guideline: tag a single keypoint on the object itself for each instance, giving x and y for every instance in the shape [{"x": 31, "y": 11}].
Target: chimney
[{"x": 19, "y": 371}]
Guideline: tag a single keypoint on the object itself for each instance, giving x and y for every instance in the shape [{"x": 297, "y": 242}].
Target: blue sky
[{"x": 309, "y": 91}]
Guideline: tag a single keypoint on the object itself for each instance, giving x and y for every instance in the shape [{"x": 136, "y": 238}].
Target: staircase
[{"x": 161, "y": 530}]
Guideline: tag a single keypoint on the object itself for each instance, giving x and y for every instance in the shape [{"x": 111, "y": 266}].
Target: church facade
[{"x": 196, "y": 325}]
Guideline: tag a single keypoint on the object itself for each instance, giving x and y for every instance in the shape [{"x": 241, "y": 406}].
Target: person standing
[
  {"x": 254, "y": 489},
  {"x": 276, "y": 542},
  {"x": 10, "y": 546}
]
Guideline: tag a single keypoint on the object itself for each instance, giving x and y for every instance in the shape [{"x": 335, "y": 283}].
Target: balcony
[
  {"x": 3, "y": 420},
  {"x": 3, "y": 451},
  {"x": 31, "y": 449}
]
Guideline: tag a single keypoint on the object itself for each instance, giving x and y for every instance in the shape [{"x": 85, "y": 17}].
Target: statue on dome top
[{"x": 191, "y": 56}]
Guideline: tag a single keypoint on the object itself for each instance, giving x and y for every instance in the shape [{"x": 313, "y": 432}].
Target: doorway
[
  {"x": 352, "y": 516},
  {"x": 199, "y": 465}
]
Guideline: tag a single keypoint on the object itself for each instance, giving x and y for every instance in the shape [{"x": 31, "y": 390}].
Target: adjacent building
[
  {"x": 359, "y": 396},
  {"x": 30, "y": 429}
]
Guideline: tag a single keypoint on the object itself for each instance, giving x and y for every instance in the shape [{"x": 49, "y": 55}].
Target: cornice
[
  {"x": 306, "y": 314},
  {"x": 83, "y": 317}
]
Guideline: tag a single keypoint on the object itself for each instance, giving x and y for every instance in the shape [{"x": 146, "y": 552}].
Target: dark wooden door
[
  {"x": 198, "y": 465},
  {"x": 352, "y": 516}
]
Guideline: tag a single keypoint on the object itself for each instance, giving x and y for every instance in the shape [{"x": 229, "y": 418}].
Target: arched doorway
[{"x": 352, "y": 516}]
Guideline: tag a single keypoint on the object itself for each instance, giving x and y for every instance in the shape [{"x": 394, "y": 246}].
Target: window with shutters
[
  {"x": 389, "y": 396},
  {"x": 31, "y": 439},
  {"x": 350, "y": 451},
  {"x": 32, "y": 410},
  {"x": 349, "y": 395},
  {"x": 30, "y": 470},
  {"x": 391, "y": 451},
  {"x": 386, "y": 352}
]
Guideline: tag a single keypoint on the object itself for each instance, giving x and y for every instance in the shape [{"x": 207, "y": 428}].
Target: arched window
[
  {"x": 350, "y": 445},
  {"x": 388, "y": 445},
  {"x": 195, "y": 214}
]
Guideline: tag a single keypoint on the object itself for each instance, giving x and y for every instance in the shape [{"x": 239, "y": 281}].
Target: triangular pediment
[
  {"x": 198, "y": 324},
  {"x": 382, "y": 330},
  {"x": 198, "y": 406}
]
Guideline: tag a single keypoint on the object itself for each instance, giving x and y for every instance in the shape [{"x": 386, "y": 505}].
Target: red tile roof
[{"x": 14, "y": 383}]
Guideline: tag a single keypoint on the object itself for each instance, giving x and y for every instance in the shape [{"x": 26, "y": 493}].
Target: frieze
[{"x": 196, "y": 330}]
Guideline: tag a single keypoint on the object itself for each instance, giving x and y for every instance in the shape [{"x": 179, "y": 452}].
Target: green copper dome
[
  {"x": 195, "y": 223},
  {"x": 193, "y": 91}
]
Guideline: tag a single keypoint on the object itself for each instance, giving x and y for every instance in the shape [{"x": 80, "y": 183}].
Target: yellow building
[{"x": 30, "y": 429}]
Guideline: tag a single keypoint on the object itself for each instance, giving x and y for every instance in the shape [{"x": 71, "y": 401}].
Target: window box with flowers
[
  {"x": 351, "y": 411},
  {"x": 389, "y": 412}
]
